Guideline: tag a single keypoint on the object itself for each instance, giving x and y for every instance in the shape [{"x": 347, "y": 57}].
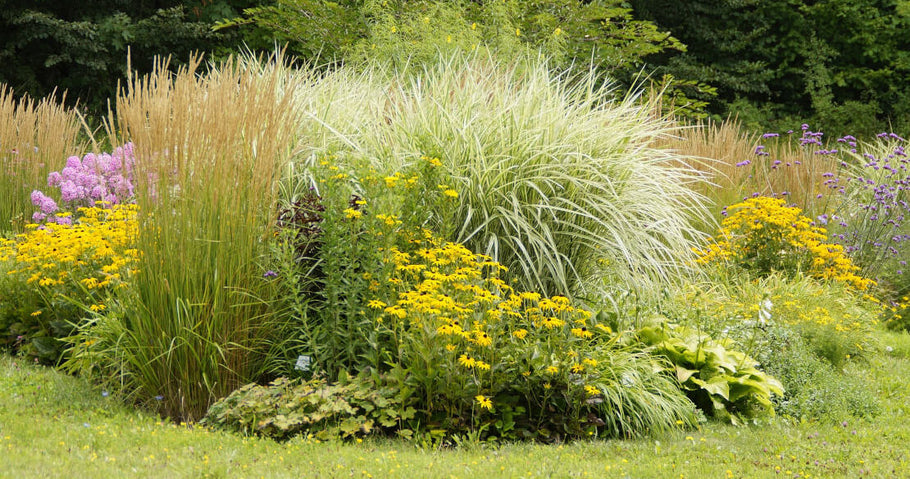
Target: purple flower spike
[{"x": 270, "y": 274}]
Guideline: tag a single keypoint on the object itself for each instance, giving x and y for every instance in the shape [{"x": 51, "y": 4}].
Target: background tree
[
  {"x": 82, "y": 47},
  {"x": 839, "y": 64}
]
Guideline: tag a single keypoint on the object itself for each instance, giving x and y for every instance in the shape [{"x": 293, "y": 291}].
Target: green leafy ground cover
[{"x": 55, "y": 425}]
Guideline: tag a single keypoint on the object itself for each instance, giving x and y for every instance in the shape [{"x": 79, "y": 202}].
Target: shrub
[
  {"x": 813, "y": 388},
  {"x": 55, "y": 268},
  {"x": 832, "y": 320},
  {"x": 762, "y": 235},
  {"x": 480, "y": 355},
  {"x": 722, "y": 382}
]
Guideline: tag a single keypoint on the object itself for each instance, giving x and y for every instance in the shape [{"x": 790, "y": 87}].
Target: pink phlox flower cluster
[{"x": 105, "y": 177}]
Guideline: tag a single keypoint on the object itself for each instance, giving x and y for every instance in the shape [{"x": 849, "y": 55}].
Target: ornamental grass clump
[
  {"x": 34, "y": 135},
  {"x": 762, "y": 235},
  {"x": 555, "y": 178},
  {"x": 50, "y": 270},
  {"x": 197, "y": 322}
]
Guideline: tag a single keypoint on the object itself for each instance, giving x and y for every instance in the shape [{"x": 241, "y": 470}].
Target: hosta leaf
[
  {"x": 683, "y": 374},
  {"x": 718, "y": 386}
]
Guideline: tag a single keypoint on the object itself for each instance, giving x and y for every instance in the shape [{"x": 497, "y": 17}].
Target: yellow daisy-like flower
[
  {"x": 450, "y": 193},
  {"x": 450, "y": 347},
  {"x": 433, "y": 161},
  {"x": 590, "y": 362},
  {"x": 484, "y": 402},
  {"x": 582, "y": 332},
  {"x": 552, "y": 370},
  {"x": 577, "y": 368},
  {"x": 466, "y": 361},
  {"x": 352, "y": 214},
  {"x": 376, "y": 304},
  {"x": 482, "y": 339},
  {"x": 482, "y": 365},
  {"x": 591, "y": 390},
  {"x": 520, "y": 334}
]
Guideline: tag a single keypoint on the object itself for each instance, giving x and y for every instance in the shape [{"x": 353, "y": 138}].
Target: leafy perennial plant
[
  {"x": 762, "y": 235},
  {"x": 53, "y": 266},
  {"x": 478, "y": 351}
]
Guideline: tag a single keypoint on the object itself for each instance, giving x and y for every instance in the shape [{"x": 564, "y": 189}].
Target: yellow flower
[
  {"x": 520, "y": 334},
  {"x": 591, "y": 390},
  {"x": 37, "y": 313},
  {"x": 450, "y": 193},
  {"x": 466, "y": 361},
  {"x": 482, "y": 339},
  {"x": 484, "y": 402},
  {"x": 577, "y": 368},
  {"x": 582, "y": 332},
  {"x": 552, "y": 369},
  {"x": 486, "y": 367},
  {"x": 352, "y": 214},
  {"x": 376, "y": 304}
]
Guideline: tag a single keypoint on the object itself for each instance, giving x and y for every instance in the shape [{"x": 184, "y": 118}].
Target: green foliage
[
  {"x": 603, "y": 32},
  {"x": 814, "y": 389},
  {"x": 354, "y": 406},
  {"x": 55, "y": 45},
  {"x": 723, "y": 382},
  {"x": 791, "y": 59},
  {"x": 331, "y": 253},
  {"x": 814, "y": 337}
]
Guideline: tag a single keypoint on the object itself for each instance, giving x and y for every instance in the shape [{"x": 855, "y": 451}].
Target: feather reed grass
[
  {"x": 36, "y": 137},
  {"x": 209, "y": 151}
]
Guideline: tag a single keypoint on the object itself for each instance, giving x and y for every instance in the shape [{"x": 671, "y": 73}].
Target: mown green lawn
[{"x": 52, "y": 425}]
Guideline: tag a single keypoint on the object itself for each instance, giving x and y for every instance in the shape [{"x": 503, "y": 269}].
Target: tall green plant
[
  {"x": 36, "y": 137},
  {"x": 209, "y": 149},
  {"x": 555, "y": 179}
]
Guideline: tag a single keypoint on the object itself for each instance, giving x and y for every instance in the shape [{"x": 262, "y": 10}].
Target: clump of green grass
[
  {"x": 556, "y": 179},
  {"x": 196, "y": 322}
]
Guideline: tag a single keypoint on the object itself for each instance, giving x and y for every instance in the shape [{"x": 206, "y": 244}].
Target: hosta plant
[{"x": 723, "y": 382}]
